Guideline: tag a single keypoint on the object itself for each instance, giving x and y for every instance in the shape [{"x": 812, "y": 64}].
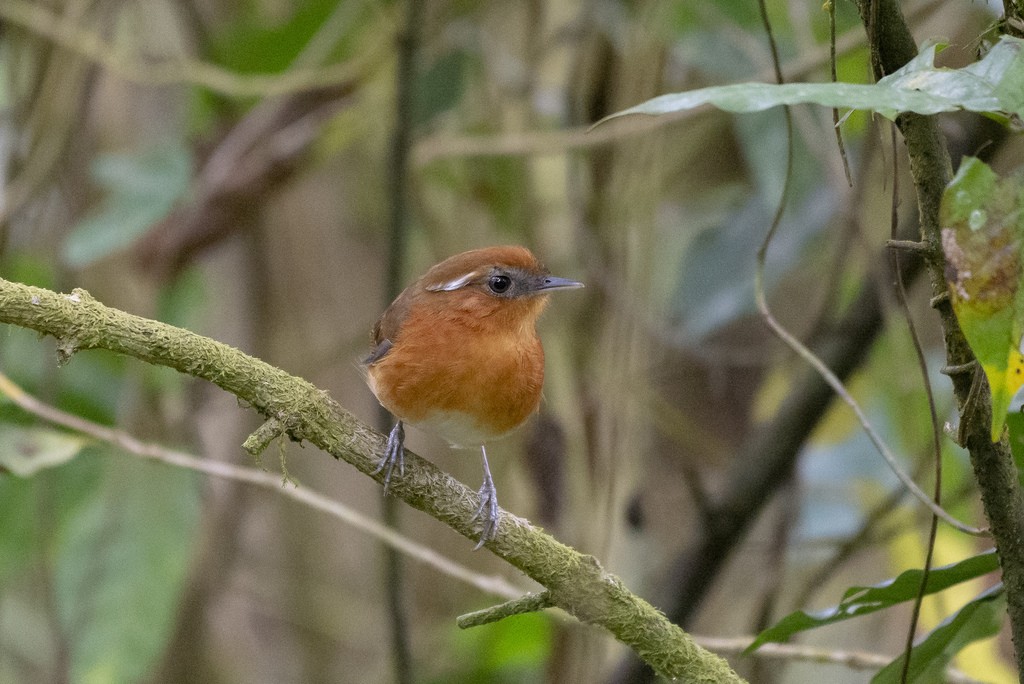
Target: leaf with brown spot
[{"x": 982, "y": 236}]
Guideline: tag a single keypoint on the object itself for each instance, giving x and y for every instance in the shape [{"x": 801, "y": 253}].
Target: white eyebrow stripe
[{"x": 450, "y": 285}]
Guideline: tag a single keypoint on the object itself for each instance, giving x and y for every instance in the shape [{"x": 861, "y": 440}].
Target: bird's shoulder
[{"x": 385, "y": 330}]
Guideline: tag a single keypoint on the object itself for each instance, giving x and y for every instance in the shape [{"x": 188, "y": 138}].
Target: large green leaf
[
  {"x": 993, "y": 84},
  {"x": 980, "y": 619},
  {"x": 982, "y": 237},
  {"x": 121, "y": 563},
  {"x": 863, "y": 600},
  {"x": 141, "y": 189}
]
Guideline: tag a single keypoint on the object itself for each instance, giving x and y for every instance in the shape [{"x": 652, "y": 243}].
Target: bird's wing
[
  {"x": 378, "y": 352},
  {"x": 385, "y": 330}
]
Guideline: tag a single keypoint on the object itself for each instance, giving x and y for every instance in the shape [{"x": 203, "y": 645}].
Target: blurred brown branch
[{"x": 258, "y": 155}]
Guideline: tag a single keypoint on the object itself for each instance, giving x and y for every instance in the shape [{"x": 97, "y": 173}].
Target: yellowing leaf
[{"x": 982, "y": 231}]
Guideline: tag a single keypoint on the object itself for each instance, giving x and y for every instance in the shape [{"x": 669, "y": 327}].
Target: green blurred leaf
[
  {"x": 863, "y": 600},
  {"x": 512, "y": 650},
  {"x": 30, "y": 269},
  {"x": 441, "y": 86},
  {"x": 121, "y": 563},
  {"x": 982, "y": 236},
  {"x": 993, "y": 84},
  {"x": 1015, "y": 423},
  {"x": 141, "y": 189},
  {"x": 34, "y": 509},
  {"x": 523, "y": 641},
  {"x": 92, "y": 387},
  {"x": 184, "y": 301},
  {"x": 256, "y": 44},
  {"x": 27, "y": 450},
  {"x": 495, "y": 186},
  {"x": 981, "y": 618},
  {"x": 17, "y": 534},
  {"x": 716, "y": 283},
  {"x": 688, "y": 18}
]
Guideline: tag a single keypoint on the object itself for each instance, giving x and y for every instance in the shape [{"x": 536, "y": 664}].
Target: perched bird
[{"x": 457, "y": 354}]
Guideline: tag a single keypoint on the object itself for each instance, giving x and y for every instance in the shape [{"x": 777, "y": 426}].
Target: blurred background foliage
[{"x": 228, "y": 167}]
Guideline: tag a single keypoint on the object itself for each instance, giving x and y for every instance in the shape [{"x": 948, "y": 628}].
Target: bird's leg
[
  {"x": 487, "y": 511},
  {"x": 394, "y": 454}
]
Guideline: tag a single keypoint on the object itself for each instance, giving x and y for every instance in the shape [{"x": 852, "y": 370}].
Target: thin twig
[
  {"x": 835, "y": 78},
  {"x": 901, "y": 295},
  {"x": 492, "y": 584},
  {"x": 856, "y": 660},
  {"x": 837, "y": 386},
  {"x": 530, "y": 603}
]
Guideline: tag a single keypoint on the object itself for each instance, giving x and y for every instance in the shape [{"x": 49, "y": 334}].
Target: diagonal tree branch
[{"x": 575, "y": 582}]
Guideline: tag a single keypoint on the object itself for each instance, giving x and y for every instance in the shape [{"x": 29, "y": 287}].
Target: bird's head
[{"x": 504, "y": 282}]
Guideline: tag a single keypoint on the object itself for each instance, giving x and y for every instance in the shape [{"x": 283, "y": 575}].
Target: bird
[{"x": 457, "y": 354}]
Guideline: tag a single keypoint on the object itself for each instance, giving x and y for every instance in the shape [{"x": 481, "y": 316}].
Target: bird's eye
[{"x": 499, "y": 284}]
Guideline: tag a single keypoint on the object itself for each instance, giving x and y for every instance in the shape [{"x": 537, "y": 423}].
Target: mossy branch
[
  {"x": 530, "y": 603},
  {"x": 575, "y": 582}
]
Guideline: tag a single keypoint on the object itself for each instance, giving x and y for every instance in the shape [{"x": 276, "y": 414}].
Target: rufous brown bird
[{"x": 457, "y": 353}]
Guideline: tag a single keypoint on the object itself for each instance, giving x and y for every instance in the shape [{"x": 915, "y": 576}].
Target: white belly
[{"x": 457, "y": 429}]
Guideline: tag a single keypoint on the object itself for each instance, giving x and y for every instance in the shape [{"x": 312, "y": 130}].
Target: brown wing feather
[{"x": 385, "y": 330}]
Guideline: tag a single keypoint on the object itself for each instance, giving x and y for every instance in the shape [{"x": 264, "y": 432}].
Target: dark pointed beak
[{"x": 555, "y": 283}]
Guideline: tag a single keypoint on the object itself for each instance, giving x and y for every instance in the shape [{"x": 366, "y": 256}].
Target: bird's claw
[
  {"x": 487, "y": 512},
  {"x": 394, "y": 455}
]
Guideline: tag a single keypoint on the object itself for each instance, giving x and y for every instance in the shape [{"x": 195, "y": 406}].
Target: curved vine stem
[
  {"x": 837, "y": 386},
  {"x": 803, "y": 351}
]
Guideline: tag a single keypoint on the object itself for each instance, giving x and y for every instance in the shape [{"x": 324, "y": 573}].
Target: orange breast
[{"x": 468, "y": 379}]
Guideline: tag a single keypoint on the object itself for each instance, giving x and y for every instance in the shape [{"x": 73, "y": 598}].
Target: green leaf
[
  {"x": 27, "y": 450},
  {"x": 982, "y": 236},
  {"x": 121, "y": 563},
  {"x": 142, "y": 189},
  {"x": 863, "y": 600},
  {"x": 1015, "y": 423},
  {"x": 440, "y": 87},
  {"x": 254, "y": 43},
  {"x": 512, "y": 650},
  {"x": 993, "y": 84},
  {"x": 715, "y": 285},
  {"x": 981, "y": 618},
  {"x": 18, "y": 532}
]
